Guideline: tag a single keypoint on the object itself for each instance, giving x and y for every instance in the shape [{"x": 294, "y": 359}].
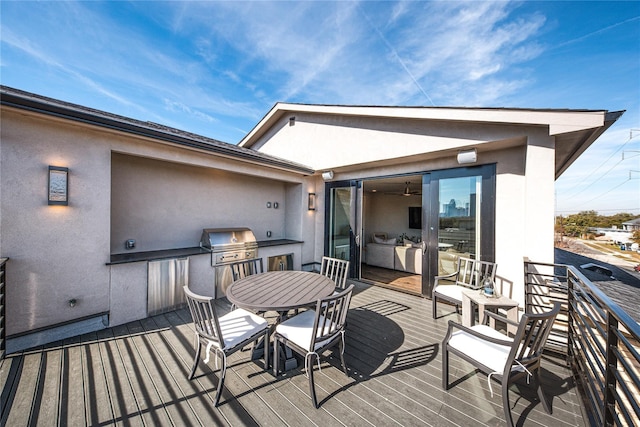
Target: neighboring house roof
[
  {"x": 633, "y": 222},
  {"x": 624, "y": 290},
  {"x": 11, "y": 97},
  {"x": 575, "y": 130}
]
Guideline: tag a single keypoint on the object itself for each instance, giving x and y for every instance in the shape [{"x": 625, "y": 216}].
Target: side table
[{"x": 471, "y": 297}]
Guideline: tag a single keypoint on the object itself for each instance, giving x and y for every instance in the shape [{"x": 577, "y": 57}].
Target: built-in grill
[{"x": 227, "y": 245}]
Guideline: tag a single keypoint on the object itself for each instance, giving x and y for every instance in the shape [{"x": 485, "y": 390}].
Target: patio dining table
[{"x": 279, "y": 291}]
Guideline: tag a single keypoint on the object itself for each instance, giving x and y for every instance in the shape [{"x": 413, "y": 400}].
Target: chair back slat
[
  {"x": 242, "y": 269},
  {"x": 472, "y": 271},
  {"x": 531, "y": 337},
  {"x": 336, "y": 270},
  {"x": 205, "y": 318},
  {"x": 331, "y": 315}
]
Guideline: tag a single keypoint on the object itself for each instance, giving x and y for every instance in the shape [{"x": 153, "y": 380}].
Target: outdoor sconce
[
  {"x": 327, "y": 175},
  {"x": 58, "y": 186},
  {"x": 292, "y": 121},
  {"x": 467, "y": 156},
  {"x": 312, "y": 202}
]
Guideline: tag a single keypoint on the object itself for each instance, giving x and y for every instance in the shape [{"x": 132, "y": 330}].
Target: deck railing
[{"x": 601, "y": 341}]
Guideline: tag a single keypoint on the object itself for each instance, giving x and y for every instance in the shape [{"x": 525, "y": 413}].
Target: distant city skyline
[{"x": 216, "y": 68}]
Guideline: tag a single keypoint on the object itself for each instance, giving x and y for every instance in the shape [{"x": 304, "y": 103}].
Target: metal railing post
[{"x": 609, "y": 400}]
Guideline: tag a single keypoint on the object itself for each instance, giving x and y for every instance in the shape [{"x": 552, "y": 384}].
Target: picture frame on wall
[{"x": 415, "y": 217}]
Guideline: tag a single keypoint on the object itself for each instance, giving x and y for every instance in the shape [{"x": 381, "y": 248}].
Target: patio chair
[
  {"x": 502, "y": 358},
  {"x": 314, "y": 331},
  {"x": 336, "y": 270},
  {"x": 226, "y": 334},
  {"x": 468, "y": 275},
  {"x": 242, "y": 269}
]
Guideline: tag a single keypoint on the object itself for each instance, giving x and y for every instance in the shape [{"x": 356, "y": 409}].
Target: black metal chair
[
  {"x": 314, "y": 331},
  {"x": 336, "y": 270},
  {"x": 226, "y": 334},
  {"x": 502, "y": 358},
  {"x": 468, "y": 275},
  {"x": 241, "y": 269}
]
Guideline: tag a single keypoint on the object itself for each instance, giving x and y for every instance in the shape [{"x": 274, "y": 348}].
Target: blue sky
[{"x": 216, "y": 68}]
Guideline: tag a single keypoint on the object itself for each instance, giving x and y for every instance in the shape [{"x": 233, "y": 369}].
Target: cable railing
[{"x": 601, "y": 341}]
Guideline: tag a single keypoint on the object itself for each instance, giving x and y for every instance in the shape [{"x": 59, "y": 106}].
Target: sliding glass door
[
  {"x": 459, "y": 213},
  {"x": 342, "y": 237}
]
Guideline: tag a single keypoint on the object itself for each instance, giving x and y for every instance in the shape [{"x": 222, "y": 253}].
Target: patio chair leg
[
  {"x": 223, "y": 372},
  {"x": 344, "y": 365},
  {"x": 433, "y": 307},
  {"x": 312, "y": 389},
  {"x": 445, "y": 368},
  {"x": 276, "y": 356},
  {"x": 196, "y": 359},
  {"x": 505, "y": 404},
  {"x": 541, "y": 396}
]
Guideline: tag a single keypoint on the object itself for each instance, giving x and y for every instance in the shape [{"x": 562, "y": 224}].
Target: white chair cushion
[
  {"x": 299, "y": 329},
  {"x": 493, "y": 356},
  {"x": 451, "y": 291},
  {"x": 238, "y": 325}
]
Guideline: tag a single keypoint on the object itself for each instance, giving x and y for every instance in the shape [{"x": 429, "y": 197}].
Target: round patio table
[{"x": 279, "y": 291}]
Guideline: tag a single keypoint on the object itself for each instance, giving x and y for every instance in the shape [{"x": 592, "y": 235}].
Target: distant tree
[{"x": 577, "y": 225}]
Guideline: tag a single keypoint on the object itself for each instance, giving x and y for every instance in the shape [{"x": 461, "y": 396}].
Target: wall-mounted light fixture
[
  {"x": 467, "y": 156},
  {"x": 312, "y": 202},
  {"x": 292, "y": 121},
  {"x": 58, "y": 186},
  {"x": 327, "y": 175}
]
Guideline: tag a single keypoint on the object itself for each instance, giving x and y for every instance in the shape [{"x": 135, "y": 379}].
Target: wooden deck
[{"x": 136, "y": 374}]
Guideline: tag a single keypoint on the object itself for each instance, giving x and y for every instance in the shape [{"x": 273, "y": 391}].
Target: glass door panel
[
  {"x": 342, "y": 231},
  {"x": 340, "y": 223},
  {"x": 458, "y": 221}
]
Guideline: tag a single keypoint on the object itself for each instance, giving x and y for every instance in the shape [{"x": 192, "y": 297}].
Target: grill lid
[{"x": 225, "y": 239}]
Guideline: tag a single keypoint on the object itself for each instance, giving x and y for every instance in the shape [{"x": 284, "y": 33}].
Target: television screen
[{"x": 415, "y": 217}]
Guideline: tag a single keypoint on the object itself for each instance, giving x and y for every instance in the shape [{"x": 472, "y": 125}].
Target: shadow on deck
[{"x": 137, "y": 374}]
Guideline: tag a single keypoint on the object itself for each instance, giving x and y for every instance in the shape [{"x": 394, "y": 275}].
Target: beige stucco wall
[
  {"x": 120, "y": 187},
  {"x": 57, "y": 253},
  {"x": 166, "y": 205},
  {"x": 331, "y": 141}
]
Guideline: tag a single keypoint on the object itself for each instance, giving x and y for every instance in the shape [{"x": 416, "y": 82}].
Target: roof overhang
[
  {"x": 569, "y": 146},
  {"x": 26, "y": 101},
  {"x": 574, "y": 130}
]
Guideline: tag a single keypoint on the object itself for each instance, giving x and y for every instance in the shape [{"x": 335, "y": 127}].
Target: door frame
[
  {"x": 355, "y": 222},
  {"x": 431, "y": 216}
]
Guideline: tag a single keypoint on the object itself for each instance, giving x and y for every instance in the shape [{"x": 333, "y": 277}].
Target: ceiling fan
[{"x": 407, "y": 191}]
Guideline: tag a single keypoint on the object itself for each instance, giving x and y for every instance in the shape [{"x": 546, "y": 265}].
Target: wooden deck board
[
  {"x": 72, "y": 407},
  {"x": 136, "y": 374}
]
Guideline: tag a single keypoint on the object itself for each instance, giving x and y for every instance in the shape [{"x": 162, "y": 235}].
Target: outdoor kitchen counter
[
  {"x": 155, "y": 255},
  {"x": 183, "y": 252},
  {"x": 276, "y": 242}
]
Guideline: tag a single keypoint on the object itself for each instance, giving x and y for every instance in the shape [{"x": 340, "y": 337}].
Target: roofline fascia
[
  {"x": 610, "y": 118},
  {"x": 558, "y": 121},
  {"x": 34, "y": 105}
]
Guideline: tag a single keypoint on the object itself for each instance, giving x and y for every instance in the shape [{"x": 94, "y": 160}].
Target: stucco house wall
[
  {"x": 121, "y": 187},
  {"x": 57, "y": 253}
]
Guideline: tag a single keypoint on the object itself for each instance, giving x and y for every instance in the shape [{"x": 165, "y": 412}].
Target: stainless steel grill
[{"x": 227, "y": 245}]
